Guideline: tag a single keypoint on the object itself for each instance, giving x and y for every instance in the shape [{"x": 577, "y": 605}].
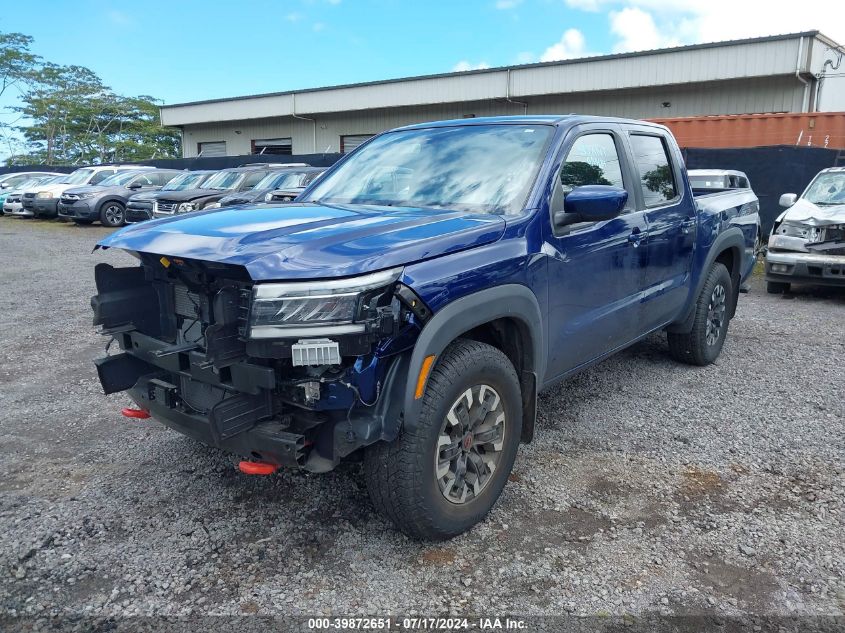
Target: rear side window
[
  {"x": 101, "y": 175},
  {"x": 592, "y": 160},
  {"x": 655, "y": 169},
  {"x": 253, "y": 178}
]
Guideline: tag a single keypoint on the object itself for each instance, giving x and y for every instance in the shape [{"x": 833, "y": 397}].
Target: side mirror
[
  {"x": 787, "y": 200},
  {"x": 591, "y": 203},
  {"x": 134, "y": 185}
]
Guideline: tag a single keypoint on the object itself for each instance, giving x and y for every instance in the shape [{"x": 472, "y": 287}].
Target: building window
[
  {"x": 211, "y": 148},
  {"x": 277, "y": 146},
  {"x": 351, "y": 141}
]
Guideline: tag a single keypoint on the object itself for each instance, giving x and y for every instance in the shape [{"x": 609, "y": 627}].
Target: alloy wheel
[
  {"x": 716, "y": 314},
  {"x": 470, "y": 444}
]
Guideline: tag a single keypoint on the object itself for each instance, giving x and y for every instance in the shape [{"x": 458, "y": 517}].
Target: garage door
[
  {"x": 351, "y": 141},
  {"x": 272, "y": 146},
  {"x": 211, "y": 148}
]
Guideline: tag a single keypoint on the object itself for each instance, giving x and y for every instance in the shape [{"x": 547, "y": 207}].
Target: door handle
[
  {"x": 686, "y": 225},
  {"x": 635, "y": 238}
]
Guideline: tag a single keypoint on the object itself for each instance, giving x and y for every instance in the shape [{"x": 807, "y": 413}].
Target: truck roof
[{"x": 530, "y": 119}]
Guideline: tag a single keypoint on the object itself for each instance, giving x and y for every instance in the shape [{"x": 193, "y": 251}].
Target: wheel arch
[
  {"x": 102, "y": 203},
  {"x": 507, "y": 317},
  {"x": 726, "y": 249}
]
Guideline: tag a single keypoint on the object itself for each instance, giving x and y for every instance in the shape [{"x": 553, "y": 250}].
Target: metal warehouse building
[{"x": 801, "y": 72}]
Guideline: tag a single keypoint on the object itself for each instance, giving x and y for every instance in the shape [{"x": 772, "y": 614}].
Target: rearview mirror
[
  {"x": 787, "y": 200},
  {"x": 591, "y": 203}
]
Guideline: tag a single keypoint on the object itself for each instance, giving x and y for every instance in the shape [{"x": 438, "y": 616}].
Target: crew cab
[
  {"x": 807, "y": 242},
  {"x": 224, "y": 182},
  {"x": 409, "y": 306}
]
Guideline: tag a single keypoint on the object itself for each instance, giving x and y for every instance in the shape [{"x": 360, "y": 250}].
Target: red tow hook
[
  {"x": 257, "y": 468},
  {"x": 139, "y": 414}
]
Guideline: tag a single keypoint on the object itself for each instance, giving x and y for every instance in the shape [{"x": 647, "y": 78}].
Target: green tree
[{"x": 68, "y": 116}]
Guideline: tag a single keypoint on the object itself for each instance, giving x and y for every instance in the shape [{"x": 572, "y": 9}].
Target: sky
[{"x": 189, "y": 50}]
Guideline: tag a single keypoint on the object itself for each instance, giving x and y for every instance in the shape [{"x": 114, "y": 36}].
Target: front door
[{"x": 595, "y": 269}]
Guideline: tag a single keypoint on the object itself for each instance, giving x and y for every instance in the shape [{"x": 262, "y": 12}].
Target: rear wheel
[
  {"x": 443, "y": 476},
  {"x": 113, "y": 214},
  {"x": 777, "y": 287},
  {"x": 703, "y": 343}
]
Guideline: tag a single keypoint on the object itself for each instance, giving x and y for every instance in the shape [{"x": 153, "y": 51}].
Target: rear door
[
  {"x": 670, "y": 213},
  {"x": 595, "y": 268}
]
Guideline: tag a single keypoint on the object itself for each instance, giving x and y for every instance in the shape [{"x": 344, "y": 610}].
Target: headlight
[
  {"x": 187, "y": 206},
  {"x": 90, "y": 194},
  {"x": 213, "y": 205},
  {"x": 42, "y": 195},
  {"x": 315, "y": 308}
]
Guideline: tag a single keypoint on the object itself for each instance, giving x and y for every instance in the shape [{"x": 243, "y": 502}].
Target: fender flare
[
  {"x": 731, "y": 238},
  {"x": 513, "y": 301}
]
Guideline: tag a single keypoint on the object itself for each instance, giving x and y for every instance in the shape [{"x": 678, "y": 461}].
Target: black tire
[
  {"x": 402, "y": 476},
  {"x": 83, "y": 222},
  {"x": 713, "y": 309},
  {"x": 113, "y": 213},
  {"x": 777, "y": 287}
]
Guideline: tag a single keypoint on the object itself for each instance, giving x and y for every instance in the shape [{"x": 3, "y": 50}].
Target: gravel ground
[{"x": 650, "y": 487}]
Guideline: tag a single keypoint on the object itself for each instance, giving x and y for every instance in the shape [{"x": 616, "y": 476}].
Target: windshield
[
  {"x": 120, "y": 178},
  {"x": 79, "y": 177},
  {"x": 827, "y": 188},
  {"x": 480, "y": 168},
  {"x": 280, "y": 180},
  {"x": 225, "y": 180},
  {"x": 185, "y": 181}
]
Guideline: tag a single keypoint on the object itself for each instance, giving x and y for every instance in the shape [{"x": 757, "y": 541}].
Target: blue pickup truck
[{"x": 407, "y": 309}]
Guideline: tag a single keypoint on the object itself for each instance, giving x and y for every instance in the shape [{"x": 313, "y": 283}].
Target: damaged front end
[{"x": 293, "y": 374}]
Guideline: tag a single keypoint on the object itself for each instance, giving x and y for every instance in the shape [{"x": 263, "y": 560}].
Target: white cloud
[
  {"x": 636, "y": 31},
  {"x": 318, "y": 26},
  {"x": 507, "y": 4},
  {"x": 120, "y": 18},
  {"x": 464, "y": 65},
  {"x": 694, "y": 21},
  {"x": 571, "y": 44},
  {"x": 294, "y": 17}
]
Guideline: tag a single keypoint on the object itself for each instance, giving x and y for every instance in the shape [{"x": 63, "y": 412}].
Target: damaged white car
[{"x": 807, "y": 243}]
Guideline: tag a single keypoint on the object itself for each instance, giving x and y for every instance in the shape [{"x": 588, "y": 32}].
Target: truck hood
[
  {"x": 242, "y": 197},
  {"x": 805, "y": 212},
  {"x": 309, "y": 241}
]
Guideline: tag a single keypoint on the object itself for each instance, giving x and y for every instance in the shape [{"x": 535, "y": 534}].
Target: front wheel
[
  {"x": 112, "y": 214},
  {"x": 703, "y": 343},
  {"x": 443, "y": 475}
]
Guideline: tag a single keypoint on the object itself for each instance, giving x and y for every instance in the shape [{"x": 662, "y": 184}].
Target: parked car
[
  {"x": 713, "y": 180},
  {"x": 43, "y": 200},
  {"x": 106, "y": 201},
  {"x": 287, "y": 192},
  {"x": 410, "y": 305},
  {"x": 10, "y": 199},
  {"x": 224, "y": 182},
  {"x": 140, "y": 206},
  {"x": 807, "y": 242},
  {"x": 13, "y": 180},
  {"x": 293, "y": 178}
]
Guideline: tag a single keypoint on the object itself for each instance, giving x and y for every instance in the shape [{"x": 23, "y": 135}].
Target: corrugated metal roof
[{"x": 716, "y": 61}]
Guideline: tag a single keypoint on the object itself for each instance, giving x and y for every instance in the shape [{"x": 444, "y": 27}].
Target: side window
[
  {"x": 592, "y": 160},
  {"x": 656, "y": 177},
  {"x": 252, "y": 179},
  {"x": 100, "y": 176},
  {"x": 143, "y": 180}
]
